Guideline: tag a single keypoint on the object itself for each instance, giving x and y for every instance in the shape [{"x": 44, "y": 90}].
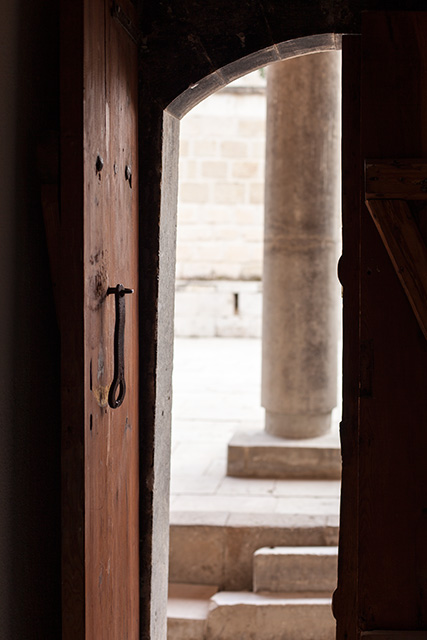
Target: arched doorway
[
  {"x": 168, "y": 194},
  {"x": 211, "y": 166}
]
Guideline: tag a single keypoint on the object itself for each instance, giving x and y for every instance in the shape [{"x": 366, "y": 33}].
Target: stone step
[
  {"x": 217, "y": 548},
  {"x": 261, "y": 455},
  {"x": 270, "y": 616},
  {"x": 295, "y": 569},
  {"x": 188, "y": 606}
]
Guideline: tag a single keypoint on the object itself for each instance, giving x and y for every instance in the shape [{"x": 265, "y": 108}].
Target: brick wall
[{"x": 220, "y": 212}]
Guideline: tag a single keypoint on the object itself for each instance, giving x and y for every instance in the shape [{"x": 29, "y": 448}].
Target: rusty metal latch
[{"x": 118, "y": 385}]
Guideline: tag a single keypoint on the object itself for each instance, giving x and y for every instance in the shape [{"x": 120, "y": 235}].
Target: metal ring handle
[{"x": 117, "y": 391}]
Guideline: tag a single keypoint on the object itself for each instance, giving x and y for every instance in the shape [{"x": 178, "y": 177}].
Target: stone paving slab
[{"x": 227, "y": 372}]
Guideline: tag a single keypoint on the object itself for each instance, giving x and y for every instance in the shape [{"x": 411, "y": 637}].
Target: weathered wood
[
  {"x": 101, "y": 483},
  {"x": 392, "y": 485},
  {"x": 110, "y": 257},
  {"x": 407, "y": 251},
  {"x": 396, "y": 179}
]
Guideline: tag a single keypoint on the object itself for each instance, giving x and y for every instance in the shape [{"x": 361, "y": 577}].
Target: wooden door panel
[
  {"x": 106, "y": 438},
  {"x": 393, "y": 412},
  {"x": 383, "y": 564},
  {"x": 396, "y": 197},
  {"x": 406, "y": 248}
]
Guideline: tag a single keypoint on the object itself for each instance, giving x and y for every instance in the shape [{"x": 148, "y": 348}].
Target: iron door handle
[{"x": 117, "y": 391}]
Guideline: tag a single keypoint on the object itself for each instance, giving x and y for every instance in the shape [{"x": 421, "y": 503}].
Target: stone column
[{"x": 302, "y": 231}]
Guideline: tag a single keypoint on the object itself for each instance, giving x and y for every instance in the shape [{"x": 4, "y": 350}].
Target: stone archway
[
  {"x": 200, "y": 552},
  {"x": 161, "y": 359}
]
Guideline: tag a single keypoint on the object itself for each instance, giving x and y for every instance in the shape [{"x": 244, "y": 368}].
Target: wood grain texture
[
  {"x": 100, "y": 249},
  {"x": 110, "y": 257},
  {"x": 392, "y": 482},
  {"x": 396, "y": 179},
  {"x": 407, "y": 251}
]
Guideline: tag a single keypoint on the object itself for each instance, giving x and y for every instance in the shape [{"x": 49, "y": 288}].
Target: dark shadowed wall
[{"x": 29, "y": 351}]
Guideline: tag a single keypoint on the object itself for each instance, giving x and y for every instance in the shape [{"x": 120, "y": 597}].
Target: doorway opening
[{"x": 221, "y": 525}]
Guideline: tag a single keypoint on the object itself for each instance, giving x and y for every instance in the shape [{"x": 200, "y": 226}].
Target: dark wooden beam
[
  {"x": 396, "y": 179},
  {"x": 407, "y": 250}
]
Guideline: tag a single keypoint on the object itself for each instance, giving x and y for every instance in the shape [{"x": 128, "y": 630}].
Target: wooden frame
[{"x": 389, "y": 185}]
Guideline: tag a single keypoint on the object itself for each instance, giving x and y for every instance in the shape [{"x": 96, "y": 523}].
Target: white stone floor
[{"x": 216, "y": 393}]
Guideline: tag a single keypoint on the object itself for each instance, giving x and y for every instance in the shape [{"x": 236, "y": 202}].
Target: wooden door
[
  {"x": 99, "y": 250},
  {"x": 382, "y": 584}
]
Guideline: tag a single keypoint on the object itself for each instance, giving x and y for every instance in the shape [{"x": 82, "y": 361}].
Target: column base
[
  {"x": 301, "y": 426},
  {"x": 260, "y": 455}
]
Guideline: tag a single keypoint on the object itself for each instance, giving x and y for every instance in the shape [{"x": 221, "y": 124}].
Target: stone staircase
[
  {"x": 250, "y": 557},
  {"x": 291, "y": 598},
  {"x": 231, "y": 581}
]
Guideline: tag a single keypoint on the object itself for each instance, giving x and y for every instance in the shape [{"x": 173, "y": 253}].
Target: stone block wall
[
  {"x": 221, "y": 213},
  {"x": 218, "y": 308}
]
